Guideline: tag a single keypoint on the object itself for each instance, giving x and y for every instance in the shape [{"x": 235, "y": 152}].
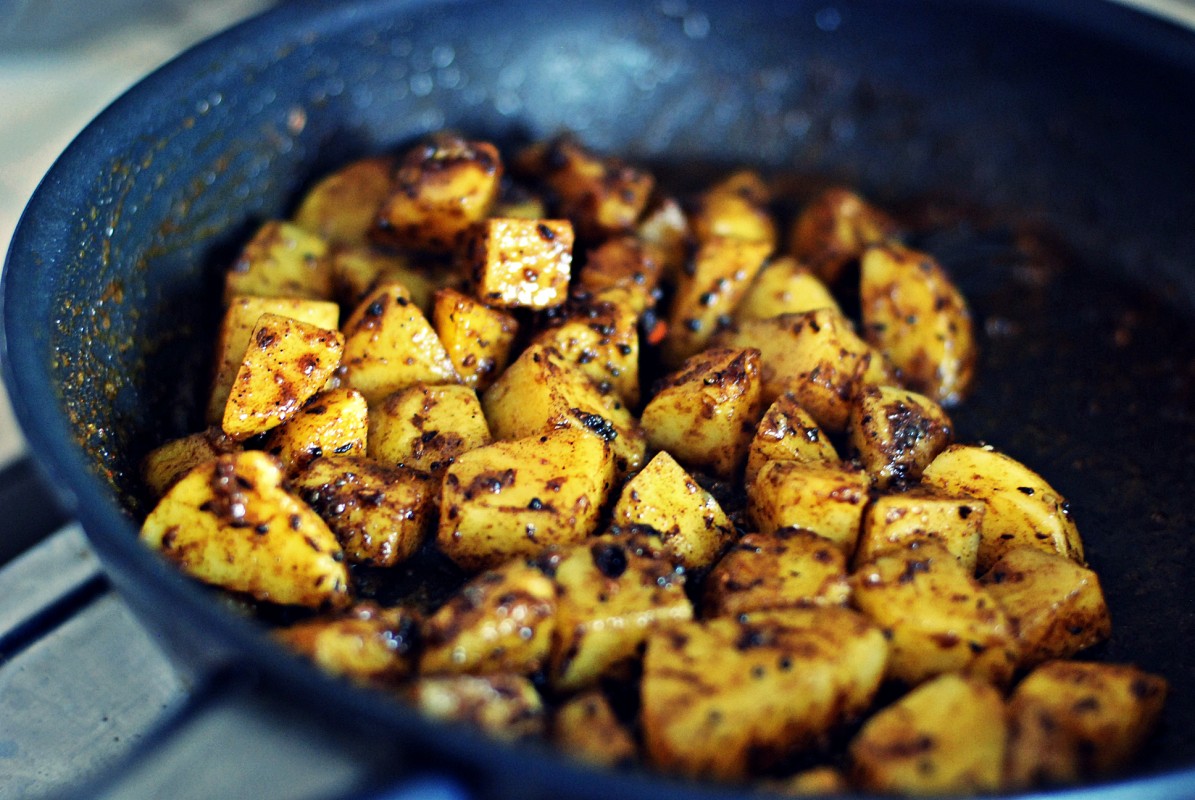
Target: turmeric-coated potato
[
  {"x": 735, "y": 207},
  {"x": 522, "y": 263},
  {"x": 479, "y": 339},
  {"x": 426, "y": 427},
  {"x": 586, "y": 727},
  {"x": 357, "y": 271},
  {"x": 627, "y": 263},
  {"x": 787, "y": 433},
  {"x": 281, "y": 260},
  {"x": 366, "y": 644},
  {"x": 343, "y": 205},
  {"x": 332, "y": 423},
  {"x": 827, "y": 499},
  {"x": 665, "y": 230},
  {"x": 600, "y": 337},
  {"x": 167, "y": 463},
  {"x": 834, "y": 229},
  {"x": 784, "y": 286},
  {"x": 506, "y": 707},
  {"x": 903, "y": 521},
  {"x": 896, "y": 433}
]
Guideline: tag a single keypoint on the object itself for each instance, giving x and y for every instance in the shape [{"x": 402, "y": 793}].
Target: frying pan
[{"x": 1042, "y": 150}]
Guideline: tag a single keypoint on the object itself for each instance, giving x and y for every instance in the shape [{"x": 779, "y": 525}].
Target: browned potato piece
[
  {"x": 522, "y": 263},
  {"x": 705, "y": 412},
  {"x": 285, "y": 364},
  {"x": 1056, "y": 605},
  {"x": 937, "y": 617},
  {"x": 724, "y": 697},
  {"x": 1073, "y": 721},
  {"x": 946, "y": 737},
  {"x": 367, "y": 644},
  {"x": 902, "y": 521},
  {"x": 665, "y": 230},
  {"x": 281, "y": 260},
  {"x": 168, "y": 463},
  {"x": 787, "y": 433},
  {"x": 917, "y": 317},
  {"x": 812, "y": 782},
  {"x": 240, "y": 318},
  {"x": 380, "y": 514},
  {"x": 343, "y": 205},
  {"x": 520, "y": 201},
  {"x": 627, "y": 263},
  {"x": 515, "y": 498},
  {"x": 785, "y": 286},
  {"x": 601, "y": 338},
  {"x": 585, "y": 727},
  {"x": 478, "y": 338},
  {"x": 357, "y": 271},
  {"x": 735, "y": 207},
  {"x": 499, "y": 622},
  {"x": 506, "y": 707},
  {"x": 389, "y": 345},
  {"x": 1022, "y": 507},
  {"x": 896, "y": 433},
  {"x": 692, "y": 526},
  {"x": 787, "y": 569},
  {"x": 230, "y": 523},
  {"x": 816, "y": 356},
  {"x": 834, "y": 229},
  {"x": 827, "y": 499},
  {"x": 441, "y": 188},
  {"x": 331, "y": 423},
  {"x": 427, "y": 427},
  {"x": 610, "y": 599}
]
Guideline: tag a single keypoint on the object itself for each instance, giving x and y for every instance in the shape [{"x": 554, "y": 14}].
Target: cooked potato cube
[
  {"x": 331, "y": 423},
  {"x": 441, "y": 189},
  {"x": 736, "y": 207},
  {"x": 610, "y": 598},
  {"x": 285, "y": 364},
  {"x": 725, "y": 697},
  {"x": 281, "y": 260},
  {"x": 230, "y": 523},
  {"x": 827, "y": 499},
  {"x": 427, "y": 427},
  {"x": 368, "y": 644},
  {"x": 503, "y": 706},
  {"x": 903, "y": 521},
  {"x": 946, "y": 737},
  {"x": 692, "y": 527},
  {"x": 1056, "y": 605},
  {"x": 343, "y": 205},
  {"x": 814, "y": 782},
  {"x": 786, "y": 569},
  {"x": 517, "y": 497},
  {"x": 601, "y": 338},
  {"x": 1072, "y": 721},
  {"x": 705, "y": 413},
  {"x": 787, "y": 433},
  {"x": 896, "y": 433},
  {"x": 389, "y": 345},
  {"x": 937, "y": 617},
  {"x": 834, "y": 229},
  {"x": 518, "y": 200},
  {"x": 499, "y": 622},
  {"x": 380, "y": 514},
  {"x": 168, "y": 463},
  {"x": 1021, "y": 507},
  {"x": 357, "y": 271},
  {"x": 665, "y": 230},
  {"x": 522, "y": 263},
  {"x": 586, "y": 727},
  {"x": 627, "y": 263},
  {"x": 478, "y": 338},
  {"x": 916, "y": 316},
  {"x": 785, "y": 286}
]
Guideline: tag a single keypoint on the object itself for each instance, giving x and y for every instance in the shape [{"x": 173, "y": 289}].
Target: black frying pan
[{"x": 1044, "y": 151}]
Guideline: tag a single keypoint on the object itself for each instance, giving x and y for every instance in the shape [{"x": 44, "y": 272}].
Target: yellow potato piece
[
  {"x": 343, "y": 205},
  {"x": 427, "y": 427},
  {"x": 367, "y": 644},
  {"x": 785, "y": 286},
  {"x": 903, "y": 521},
  {"x": 479, "y": 339},
  {"x": 586, "y": 728},
  {"x": 522, "y": 263},
  {"x": 787, "y": 433},
  {"x": 281, "y": 260},
  {"x": 827, "y": 499},
  {"x": 332, "y": 423},
  {"x": 787, "y": 569}
]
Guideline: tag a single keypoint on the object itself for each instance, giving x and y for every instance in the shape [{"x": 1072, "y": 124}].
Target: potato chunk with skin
[
  {"x": 499, "y": 622},
  {"x": 785, "y": 286},
  {"x": 903, "y": 521},
  {"x": 835, "y": 228},
  {"x": 281, "y": 260},
  {"x": 367, "y": 644},
  {"x": 331, "y": 423},
  {"x": 380, "y": 514},
  {"x": 515, "y": 498},
  {"x": 586, "y": 727},
  {"x": 705, "y": 413},
  {"x": 1022, "y": 507},
  {"x": 506, "y": 707},
  {"x": 896, "y": 433},
  {"x": 427, "y": 427},
  {"x": 1072, "y": 721},
  {"x": 917, "y": 317},
  {"x": 522, "y": 263},
  {"x": 478, "y": 338},
  {"x": 726, "y": 697},
  {"x": 787, "y": 433},
  {"x": 937, "y": 617},
  {"x": 947, "y": 736},
  {"x": 343, "y": 205},
  {"x": 285, "y": 364},
  {"x": 787, "y": 569},
  {"x": 600, "y": 336},
  {"x": 827, "y": 499},
  {"x": 168, "y": 463},
  {"x": 230, "y": 523},
  {"x": 692, "y": 526},
  {"x": 1056, "y": 605}
]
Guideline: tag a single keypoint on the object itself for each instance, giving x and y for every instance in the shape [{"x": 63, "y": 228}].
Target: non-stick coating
[{"x": 1044, "y": 154}]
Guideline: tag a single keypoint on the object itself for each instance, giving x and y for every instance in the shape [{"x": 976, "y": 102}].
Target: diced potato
[
  {"x": 692, "y": 526},
  {"x": 936, "y": 616},
  {"x": 281, "y": 260},
  {"x": 441, "y": 189},
  {"x": 903, "y": 521},
  {"x": 785, "y": 286},
  {"x": 664, "y": 228},
  {"x": 705, "y": 413},
  {"x": 787, "y": 569},
  {"x": 834, "y": 229},
  {"x": 724, "y": 697},
  {"x": 357, "y": 271},
  {"x": 331, "y": 423},
  {"x": 627, "y": 263},
  {"x": 389, "y": 345},
  {"x": 896, "y": 433},
  {"x": 506, "y": 707},
  {"x": 479, "y": 339},
  {"x": 787, "y": 433},
  {"x": 380, "y": 514},
  {"x": 735, "y": 207},
  {"x": 1056, "y": 605},
  {"x": 812, "y": 782},
  {"x": 515, "y": 498},
  {"x": 522, "y": 263},
  {"x": 610, "y": 599},
  {"x": 601, "y": 338},
  {"x": 368, "y": 644},
  {"x": 1022, "y": 507},
  {"x": 916, "y": 316},
  {"x": 343, "y": 205},
  {"x": 520, "y": 201},
  {"x": 1073, "y": 721},
  {"x": 586, "y": 727},
  {"x": 240, "y": 318},
  {"x": 168, "y": 463},
  {"x": 285, "y": 364},
  {"x": 499, "y": 622},
  {"x": 230, "y": 523},
  {"x": 946, "y": 737},
  {"x": 827, "y": 499},
  {"x": 427, "y": 427}
]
